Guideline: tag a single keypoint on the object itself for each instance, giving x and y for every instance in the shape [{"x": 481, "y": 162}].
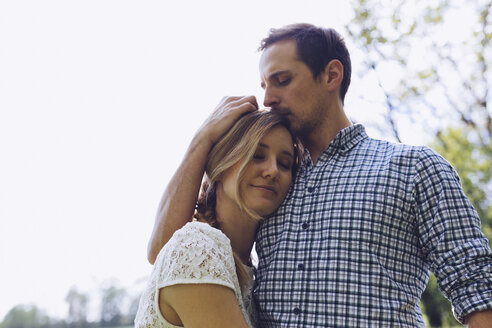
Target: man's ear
[{"x": 333, "y": 74}]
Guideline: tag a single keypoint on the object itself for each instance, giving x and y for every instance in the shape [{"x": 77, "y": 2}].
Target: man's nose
[{"x": 270, "y": 99}]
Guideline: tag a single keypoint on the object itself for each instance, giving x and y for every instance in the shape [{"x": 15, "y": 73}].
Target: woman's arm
[
  {"x": 201, "y": 305},
  {"x": 178, "y": 201}
]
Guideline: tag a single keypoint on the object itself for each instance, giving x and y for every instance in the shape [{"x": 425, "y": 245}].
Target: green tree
[
  {"x": 129, "y": 317},
  {"x": 436, "y": 307},
  {"x": 77, "y": 308},
  {"x": 111, "y": 305},
  {"x": 26, "y": 316},
  {"x": 428, "y": 76},
  {"x": 431, "y": 79}
]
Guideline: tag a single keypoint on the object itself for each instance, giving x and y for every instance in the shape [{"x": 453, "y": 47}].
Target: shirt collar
[
  {"x": 348, "y": 138},
  {"x": 343, "y": 142}
]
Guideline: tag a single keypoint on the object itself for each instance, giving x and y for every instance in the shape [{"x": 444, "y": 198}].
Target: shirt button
[
  {"x": 305, "y": 226},
  {"x": 297, "y": 311},
  {"x": 310, "y": 189},
  {"x": 300, "y": 266}
]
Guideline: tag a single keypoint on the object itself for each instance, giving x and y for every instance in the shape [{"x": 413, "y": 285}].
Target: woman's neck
[{"x": 239, "y": 228}]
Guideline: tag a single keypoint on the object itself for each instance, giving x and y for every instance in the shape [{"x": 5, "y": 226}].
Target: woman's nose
[{"x": 271, "y": 169}]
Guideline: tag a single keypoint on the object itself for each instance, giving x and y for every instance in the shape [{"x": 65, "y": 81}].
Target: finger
[
  {"x": 247, "y": 107},
  {"x": 234, "y": 107},
  {"x": 226, "y": 104},
  {"x": 245, "y": 99},
  {"x": 229, "y": 99},
  {"x": 252, "y": 100},
  {"x": 239, "y": 109}
]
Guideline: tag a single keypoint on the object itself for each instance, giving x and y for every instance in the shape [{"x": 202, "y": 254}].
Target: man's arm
[
  {"x": 482, "y": 319},
  {"x": 178, "y": 201},
  {"x": 451, "y": 238}
]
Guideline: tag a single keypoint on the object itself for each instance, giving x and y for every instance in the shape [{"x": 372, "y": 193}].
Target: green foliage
[
  {"x": 111, "y": 305},
  {"x": 436, "y": 80},
  {"x": 473, "y": 162},
  {"x": 26, "y": 316},
  {"x": 77, "y": 308},
  {"x": 436, "y": 307},
  {"x": 118, "y": 309},
  {"x": 429, "y": 78}
]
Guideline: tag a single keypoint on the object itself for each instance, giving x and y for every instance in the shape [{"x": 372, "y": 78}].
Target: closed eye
[
  {"x": 283, "y": 82},
  {"x": 285, "y": 164},
  {"x": 258, "y": 157}
]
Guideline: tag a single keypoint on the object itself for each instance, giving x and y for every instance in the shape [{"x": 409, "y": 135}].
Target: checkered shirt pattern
[{"x": 354, "y": 241}]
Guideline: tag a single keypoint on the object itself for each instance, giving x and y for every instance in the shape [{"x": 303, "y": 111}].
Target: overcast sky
[{"x": 98, "y": 101}]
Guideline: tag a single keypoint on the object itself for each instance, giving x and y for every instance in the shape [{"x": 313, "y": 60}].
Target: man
[
  {"x": 353, "y": 244},
  {"x": 365, "y": 221}
]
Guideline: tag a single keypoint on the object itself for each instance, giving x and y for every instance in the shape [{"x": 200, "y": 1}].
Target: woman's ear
[{"x": 333, "y": 74}]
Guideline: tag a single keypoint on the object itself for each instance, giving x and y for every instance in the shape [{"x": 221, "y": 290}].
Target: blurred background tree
[
  {"x": 118, "y": 308},
  {"x": 112, "y": 305},
  {"x": 437, "y": 83},
  {"x": 26, "y": 316},
  {"x": 77, "y": 308},
  {"x": 428, "y": 76},
  {"x": 431, "y": 81}
]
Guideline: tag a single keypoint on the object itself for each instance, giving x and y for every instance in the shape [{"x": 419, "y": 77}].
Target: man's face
[{"x": 290, "y": 88}]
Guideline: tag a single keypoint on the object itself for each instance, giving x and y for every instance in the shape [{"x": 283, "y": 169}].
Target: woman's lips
[{"x": 267, "y": 188}]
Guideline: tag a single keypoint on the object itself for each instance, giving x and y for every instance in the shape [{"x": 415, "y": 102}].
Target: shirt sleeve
[
  {"x": 196, "y": 254},
  {"x": 449, "y": 230}
]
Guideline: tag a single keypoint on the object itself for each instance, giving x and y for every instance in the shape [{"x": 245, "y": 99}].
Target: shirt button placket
[
  {"x": 310, "y": 190},
  {"x": 301, "y": 266}
]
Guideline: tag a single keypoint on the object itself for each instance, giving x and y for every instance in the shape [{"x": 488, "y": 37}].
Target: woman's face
[{"x": 267, "y": 177}]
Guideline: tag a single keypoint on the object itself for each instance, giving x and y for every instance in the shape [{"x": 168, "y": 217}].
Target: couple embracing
[{"x": 347, "y": 228}]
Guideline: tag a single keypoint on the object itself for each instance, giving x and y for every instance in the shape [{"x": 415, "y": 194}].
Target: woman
[{"x": 202, "y": 276}]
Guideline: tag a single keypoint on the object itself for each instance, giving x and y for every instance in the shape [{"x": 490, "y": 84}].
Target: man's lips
[{"x": 281, "y": 111}]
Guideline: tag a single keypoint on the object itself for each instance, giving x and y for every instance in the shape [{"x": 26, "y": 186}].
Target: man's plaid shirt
[{"x": 354, "y": 241}]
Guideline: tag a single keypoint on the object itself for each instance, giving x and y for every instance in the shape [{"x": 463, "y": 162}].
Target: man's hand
[
  {"x": 178, "y": 202},
  {"x": 227, "y": 112},
  {"x": 482, "y": 319}
]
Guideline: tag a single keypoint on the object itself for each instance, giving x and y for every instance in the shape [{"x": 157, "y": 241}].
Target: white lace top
[{"x": 195, "y": 254}]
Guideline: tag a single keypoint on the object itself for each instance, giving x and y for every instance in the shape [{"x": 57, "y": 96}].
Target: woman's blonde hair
[{"x": 238, "y": 144}]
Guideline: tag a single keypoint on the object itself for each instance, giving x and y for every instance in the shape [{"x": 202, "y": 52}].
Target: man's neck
[{"x": 317, "y": 141}]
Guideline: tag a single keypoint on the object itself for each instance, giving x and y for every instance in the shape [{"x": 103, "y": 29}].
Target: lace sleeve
[{"x": 196, "y": 254}]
